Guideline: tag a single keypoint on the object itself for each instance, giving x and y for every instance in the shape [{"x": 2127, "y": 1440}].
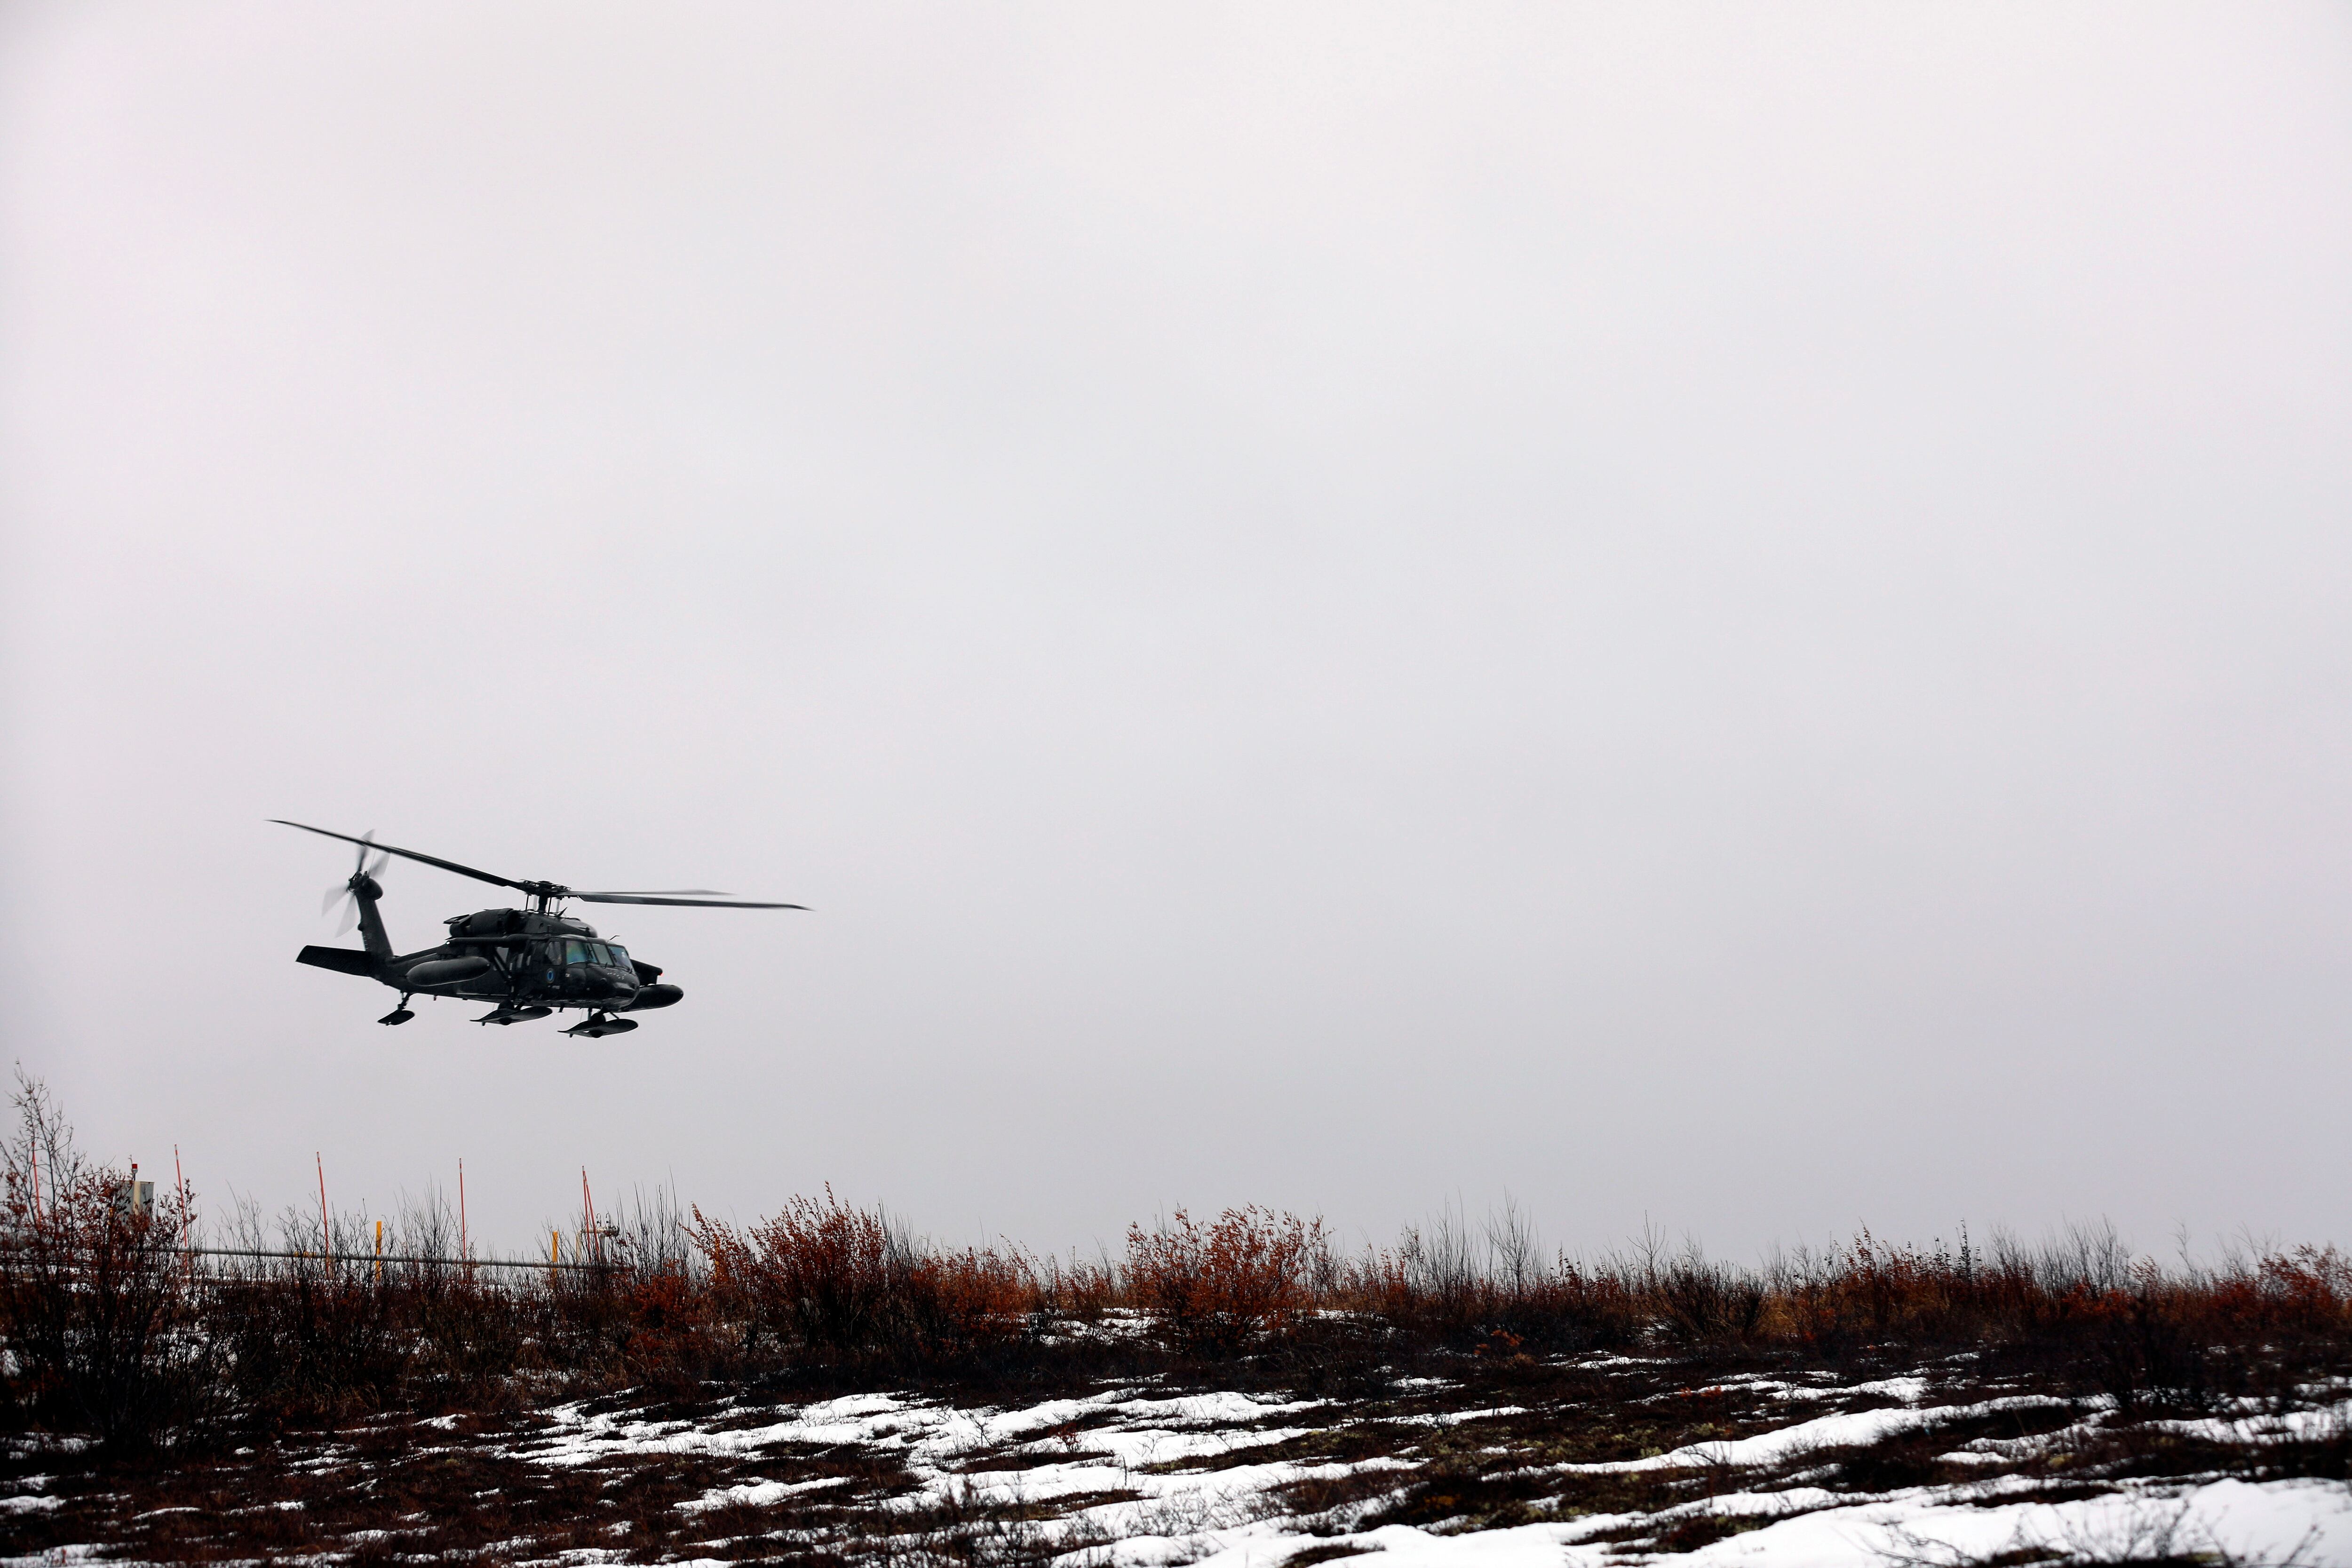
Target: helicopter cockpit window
[
  {"x": 620, "y": 956},
  {"x": 575, "y": 953},
  {"x": 601, "y": 955}
]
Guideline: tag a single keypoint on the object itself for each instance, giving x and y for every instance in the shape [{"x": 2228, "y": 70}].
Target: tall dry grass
[{"x": 113, "y": 1330}]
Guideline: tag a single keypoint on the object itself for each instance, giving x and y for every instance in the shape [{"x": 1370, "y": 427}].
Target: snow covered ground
[
  {"x": 1581, "y": 1466},
  {"x": 1190, "y": 1486}
]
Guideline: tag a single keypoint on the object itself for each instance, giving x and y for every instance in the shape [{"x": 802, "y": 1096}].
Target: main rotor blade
[
  {"x": 407, "y": 853},
  {"x": 699, "y": 903},
  {"x": 658, "y": 893}
]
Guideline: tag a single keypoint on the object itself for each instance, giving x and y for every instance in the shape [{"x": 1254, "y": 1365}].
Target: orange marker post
[{"x": 187, "y": 1244}]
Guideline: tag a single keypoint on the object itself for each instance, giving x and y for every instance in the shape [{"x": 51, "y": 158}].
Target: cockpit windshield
[
  {"x": 620, "y": 956},
  {"x": 575, "y": 953}
]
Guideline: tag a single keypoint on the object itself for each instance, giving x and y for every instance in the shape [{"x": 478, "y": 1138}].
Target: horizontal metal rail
[
  {"x": 399, "y": 1257},
  {"x": 162, "y": 1253}
]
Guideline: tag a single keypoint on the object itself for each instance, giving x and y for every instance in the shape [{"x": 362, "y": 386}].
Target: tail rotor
[{"x": 363, "y": 875}]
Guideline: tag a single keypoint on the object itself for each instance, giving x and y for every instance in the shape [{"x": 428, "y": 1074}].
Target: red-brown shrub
[
  {"x": 98, "y": 1310},
  {"x": 1213, "y": 1289},
  {"x": 827, "y": 1277}
]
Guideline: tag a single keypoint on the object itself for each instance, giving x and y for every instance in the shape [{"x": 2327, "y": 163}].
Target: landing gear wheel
[
  {"x": 600, "y": 1025},
  {"x": 400, "y": 1014}
]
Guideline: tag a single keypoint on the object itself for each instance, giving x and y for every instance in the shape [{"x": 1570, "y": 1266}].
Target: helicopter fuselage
[{"x": 526, "y": 963}]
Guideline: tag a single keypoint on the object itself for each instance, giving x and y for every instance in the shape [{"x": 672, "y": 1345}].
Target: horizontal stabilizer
[{"x": 342, "y": 959}]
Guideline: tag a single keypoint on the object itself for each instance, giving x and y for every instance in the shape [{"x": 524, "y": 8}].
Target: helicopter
[{"x": 527, "y": 963}]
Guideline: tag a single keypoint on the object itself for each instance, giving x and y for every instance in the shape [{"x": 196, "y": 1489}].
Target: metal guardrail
[{"x": 605, "y": 1267}]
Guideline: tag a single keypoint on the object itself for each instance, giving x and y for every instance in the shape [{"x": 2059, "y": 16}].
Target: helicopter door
[{"x": 577, "y": 957}]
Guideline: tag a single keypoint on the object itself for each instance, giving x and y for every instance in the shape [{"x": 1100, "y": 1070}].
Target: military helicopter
[{"x": 526, "y": 962}]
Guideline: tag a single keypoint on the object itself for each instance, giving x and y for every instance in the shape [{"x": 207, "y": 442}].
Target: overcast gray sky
[{"x": 1736, "y": 615}]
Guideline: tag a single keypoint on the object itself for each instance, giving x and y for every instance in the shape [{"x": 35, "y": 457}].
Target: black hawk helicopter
[{"x": 527, "y": 963}]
